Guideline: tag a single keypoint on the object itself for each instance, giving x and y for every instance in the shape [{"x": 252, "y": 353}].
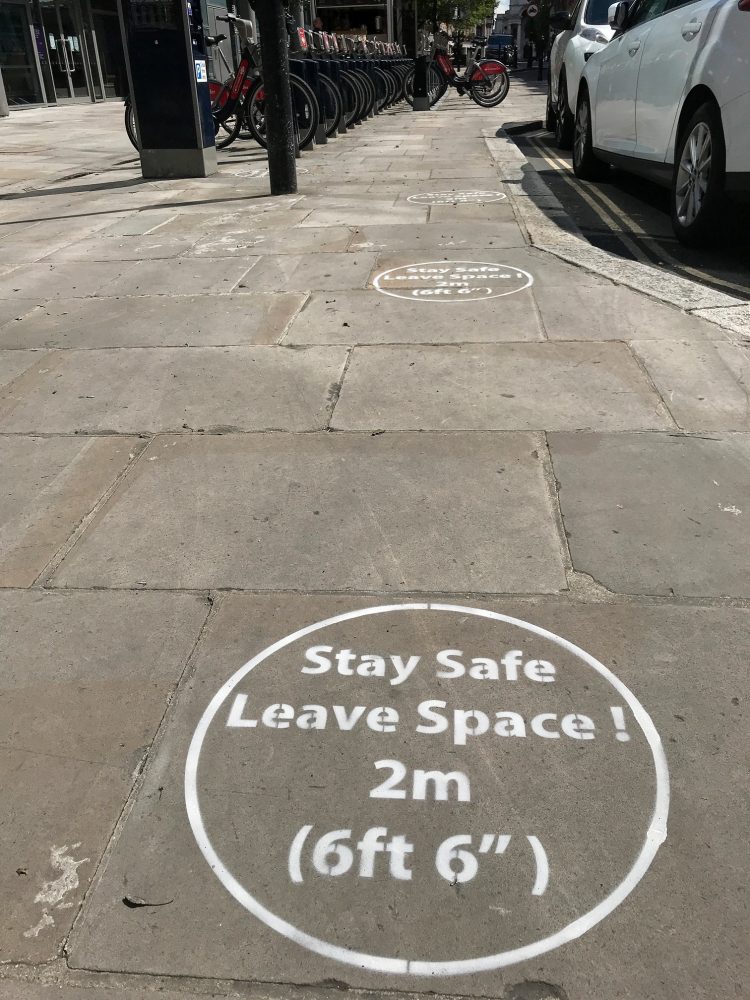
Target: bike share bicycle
[{"x": 486, "y": 81}]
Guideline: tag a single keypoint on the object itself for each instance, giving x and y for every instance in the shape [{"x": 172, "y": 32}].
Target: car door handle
[
  {"x": 691, "y": 29},
  {"x": 634, "y": 46}
]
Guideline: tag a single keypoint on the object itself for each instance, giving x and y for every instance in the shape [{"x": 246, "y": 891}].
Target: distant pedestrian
[
  {"x": 318, "y": 24},
  {"x": 528, "y": 54}
]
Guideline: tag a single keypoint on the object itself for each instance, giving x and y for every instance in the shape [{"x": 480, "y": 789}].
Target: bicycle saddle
[{"x": 214, "y": 39}]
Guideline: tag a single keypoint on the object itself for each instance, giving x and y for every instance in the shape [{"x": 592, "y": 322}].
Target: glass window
[
  {"x": 645, "y": 10},
  {"x": 597, "y": 11},
  {"x": 20, "y": 74}
]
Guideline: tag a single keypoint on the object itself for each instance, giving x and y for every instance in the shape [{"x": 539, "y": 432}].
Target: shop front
[{"x": 55, "y": 51}]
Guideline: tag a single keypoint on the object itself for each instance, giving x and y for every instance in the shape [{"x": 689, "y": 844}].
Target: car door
[
  {"x": 619, "y": 65},
  {"x": 673, "y": 43}
]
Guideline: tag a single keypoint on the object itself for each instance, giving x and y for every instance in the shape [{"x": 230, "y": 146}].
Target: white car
[
  {"x": 582, "y": 32},
  {"x": 669, "y": 98}
]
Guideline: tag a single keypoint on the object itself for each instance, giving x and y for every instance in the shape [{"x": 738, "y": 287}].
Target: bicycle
[
  {"x": 486, "y": 81},
  {"x": 241, "y": 98}
]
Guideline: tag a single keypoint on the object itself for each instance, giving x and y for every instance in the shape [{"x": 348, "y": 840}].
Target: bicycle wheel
[
  {"x": 355, "y": 98},
  {"x": 304, "y": 107},
  {"x": 130, "y": 127},
  {"x": 489, "y": 83},
  {"x": 227, "y": 130},
  {"x": 334, "y": 104}
]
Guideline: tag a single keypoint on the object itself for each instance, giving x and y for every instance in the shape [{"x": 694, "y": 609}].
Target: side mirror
[
  {"x": 618, "y": 15},
  {"x": 561, "y": 20}
]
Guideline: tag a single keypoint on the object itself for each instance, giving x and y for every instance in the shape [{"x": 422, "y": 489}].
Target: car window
[
  {"x": 597, "y": 12},
  {"x": 645, "y": 10}
]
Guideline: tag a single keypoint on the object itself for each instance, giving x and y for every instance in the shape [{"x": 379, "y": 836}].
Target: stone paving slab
[
  {"x": 565, "y": 387},
  {"x": 14, "y": 363},
  {"x": 68, "y": 279},
  {"x": 85, "y": 680},
  {"x": 56, "y": 482},
  {"x": 655, "y": 513},
  {"x": 155, "y": 321},
  {"x": 135, "y": 248},
  {"x": 289, "y": 241},
  {"x": 198, "y": 388},
  {"x": 367, "y": 317},
  {"x": 13, "y": 309},
  {"x": 179, "y": 277},
  {"x": 338, "y": 512},
  {"x": 307, "y": 272},
  {"x": 705, "y": 385},
  {"x": 574, "y": 311},
  {"x": 654, "y": 943},
  {"x": 451, "y": 236}
]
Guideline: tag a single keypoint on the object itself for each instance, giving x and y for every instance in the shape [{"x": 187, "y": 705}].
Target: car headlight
[{"x": 594, "y": 35}]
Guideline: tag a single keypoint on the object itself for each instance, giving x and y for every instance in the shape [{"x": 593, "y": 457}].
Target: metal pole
[
  {"x": 4, "y": 109},
  {"x": 279, "y": 116}
]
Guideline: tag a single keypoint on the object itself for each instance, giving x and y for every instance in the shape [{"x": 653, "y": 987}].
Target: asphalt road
[{"x": 629, "y": 216}]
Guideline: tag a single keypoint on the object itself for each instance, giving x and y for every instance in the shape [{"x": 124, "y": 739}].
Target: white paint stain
[
  {"x": 730, "y": 510},
  {"x": 44, "y": 921},
  {"x": 54, "y": 892}
]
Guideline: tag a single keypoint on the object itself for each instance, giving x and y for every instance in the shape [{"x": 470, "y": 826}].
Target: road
[{"x": 629, "y": 216}]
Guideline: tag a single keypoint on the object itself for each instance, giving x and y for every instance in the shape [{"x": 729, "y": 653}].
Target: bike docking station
[
  {"x": 421, "y": 62},
  {"x": 165, "y": 54}
]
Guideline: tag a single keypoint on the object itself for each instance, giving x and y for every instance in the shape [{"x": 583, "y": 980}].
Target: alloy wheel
[
  {"x": 581, "y": 131},
  {"x": 693, "y": 174}
]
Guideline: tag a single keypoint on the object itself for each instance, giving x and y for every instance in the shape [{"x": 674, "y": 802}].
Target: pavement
[{"x": 306, "y": 499}]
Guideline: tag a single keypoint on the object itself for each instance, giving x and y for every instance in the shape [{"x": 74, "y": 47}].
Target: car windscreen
[
  {"x": 597, "y": 12},
  {"x": 500, "y": 40}
]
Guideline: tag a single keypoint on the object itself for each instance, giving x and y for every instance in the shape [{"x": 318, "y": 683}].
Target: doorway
[{"x": 65, "y": 44}]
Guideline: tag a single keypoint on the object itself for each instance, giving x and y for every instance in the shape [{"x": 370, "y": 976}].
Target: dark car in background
[{"x": 502, "y": 47}]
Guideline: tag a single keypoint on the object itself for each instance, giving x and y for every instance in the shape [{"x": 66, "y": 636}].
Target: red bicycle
[{"x": 486, "y": 81}]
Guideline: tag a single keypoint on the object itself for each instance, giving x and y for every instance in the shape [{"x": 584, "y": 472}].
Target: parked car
[
  {"x": 582, "y": 32},
  {"x": 669, "y": 98},
  {"x": 502, "y": 47}
]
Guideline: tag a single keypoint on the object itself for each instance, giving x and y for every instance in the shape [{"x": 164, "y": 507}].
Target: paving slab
[
  {"x": 307, "y": 272},
  {"x": 68, "y": 279},
  {"x": 13, "y": 309},
  {"x": 657, "y": 513},
  {"x": 85, "y": 680},
  {"x": 155, "y": 321},
  {"x": 261, "y": 799},
  {"x": 448, "y": 237},
  {"x": 498, "y": 387},
  {"x": 14, "y": 363},
  {"x": 134, "y": 248},
  {"x": 705, "y": 385},
  {"x": 324, "y": 511},
  {"x": 573, "y": 311},
  {"x": 366, "y": 215},
  {"x": 184, "y": 276},
  {"x": 168, "y": 389},
  {"x": 49, "y": 486},
  {"x": 290, "y": 241},
  {"x": 367, "y": 317}
]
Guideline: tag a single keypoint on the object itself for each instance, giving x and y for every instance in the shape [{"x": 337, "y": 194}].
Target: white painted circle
[
  {"x": 452, "y": 281},
  {"x": 655, "y": 834},
  {"x": 456, "y": 197}
]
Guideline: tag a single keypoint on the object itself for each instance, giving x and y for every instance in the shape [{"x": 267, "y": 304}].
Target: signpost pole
[
  {"x": 4, "y": 109},
  {"x": 279, "y": 113}
]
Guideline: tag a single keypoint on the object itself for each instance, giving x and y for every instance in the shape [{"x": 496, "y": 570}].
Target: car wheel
[
  {"x": 564, "y": 124},
  {"x": 698, "y": 178},
  {"x": 585, "y": 163},
  {"x": 550, "y": 119}
]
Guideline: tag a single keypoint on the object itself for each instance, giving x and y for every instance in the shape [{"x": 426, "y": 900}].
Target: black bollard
[{"x": 282, "y": 170}]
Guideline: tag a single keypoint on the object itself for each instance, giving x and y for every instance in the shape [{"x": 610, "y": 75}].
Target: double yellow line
[{"x": 623, "y": 224}]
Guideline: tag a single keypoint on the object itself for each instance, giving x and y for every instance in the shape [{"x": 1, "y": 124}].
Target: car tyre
[
  {"x": 550, "y": 118},
  {"x": 586, "y": 165},
  {"x": 564, "y": 121},
  {"x": 697, "y": 193}
]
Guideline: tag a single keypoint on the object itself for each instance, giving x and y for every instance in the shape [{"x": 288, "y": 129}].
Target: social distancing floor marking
[
  {"x": 452, "y": 281},
  {"x": 373, "y": 785}
]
